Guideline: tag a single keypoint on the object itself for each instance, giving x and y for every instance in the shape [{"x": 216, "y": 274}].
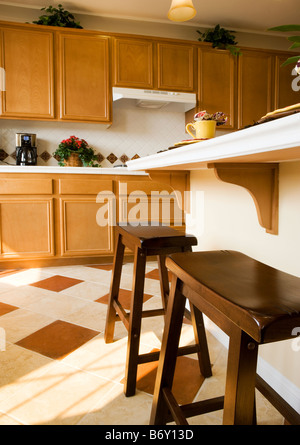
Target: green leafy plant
[
  {"x": 75, "y": 145},
  {"x": 295, "y": 44},
  {"x": 220, "y": 38},
  {"x": 57, "y": 17}
]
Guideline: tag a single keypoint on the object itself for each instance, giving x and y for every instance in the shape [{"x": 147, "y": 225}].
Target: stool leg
[
  {"x": 201, "y": 340},
  {"x": 114, "y": 291},
  {"x": 135, "y": 322},
  {"x": 164, "y": 279},
  {"x": 239, "y": 403},
  {"x": 168, "y": 354},
  {"x": 196, "y": 318}
]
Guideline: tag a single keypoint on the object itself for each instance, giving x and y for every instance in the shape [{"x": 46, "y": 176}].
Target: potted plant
[
  {"x": 220, "y": 38},
  {"x": 296, "y": 43},
  {"x": 75, "y": 152},
  {"x": 57, "y": 17}
]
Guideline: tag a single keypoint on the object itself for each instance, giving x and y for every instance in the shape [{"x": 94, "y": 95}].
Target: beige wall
[{"x": 227, "y": 220}]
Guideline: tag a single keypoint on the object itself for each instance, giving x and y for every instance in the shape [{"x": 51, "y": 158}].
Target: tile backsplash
[{"x": 134, "y": 133}]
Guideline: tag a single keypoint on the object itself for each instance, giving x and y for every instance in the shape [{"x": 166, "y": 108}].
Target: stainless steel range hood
[{"x": 153, "y": 99}]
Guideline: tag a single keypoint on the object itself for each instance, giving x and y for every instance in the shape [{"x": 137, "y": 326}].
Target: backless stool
[
  {"x": 147, "y": 241},
  {"x": 253, "y": 304}
]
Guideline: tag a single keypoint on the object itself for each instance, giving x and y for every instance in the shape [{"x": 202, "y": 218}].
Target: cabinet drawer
[
  {"x": 84, "y": 187},
  {"x": 15, "y": 186}
]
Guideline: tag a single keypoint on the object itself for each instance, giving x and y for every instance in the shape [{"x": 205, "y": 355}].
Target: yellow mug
[{"x": 202, "y": 129}]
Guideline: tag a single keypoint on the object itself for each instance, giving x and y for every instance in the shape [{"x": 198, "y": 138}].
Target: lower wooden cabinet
[
  {"x": 27, "y": 227},
  {"x": 55, "y": 219}
]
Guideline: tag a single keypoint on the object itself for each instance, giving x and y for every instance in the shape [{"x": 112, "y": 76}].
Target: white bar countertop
[
  {"x": 74, "y": 170},
  {"x": 274, "y": 141}
]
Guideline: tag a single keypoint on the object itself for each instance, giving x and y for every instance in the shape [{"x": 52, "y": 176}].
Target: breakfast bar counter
[{"x": 249, "y": 158}]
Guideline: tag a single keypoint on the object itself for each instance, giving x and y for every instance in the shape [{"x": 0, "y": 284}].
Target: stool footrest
[
  {"x": 153, "y": 356},
  {"x": 122, "y": 315},
  {"x": 179, "y": 413}
]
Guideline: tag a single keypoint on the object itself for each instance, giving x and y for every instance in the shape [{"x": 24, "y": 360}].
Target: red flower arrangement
[{"x": 75, "y": 145}]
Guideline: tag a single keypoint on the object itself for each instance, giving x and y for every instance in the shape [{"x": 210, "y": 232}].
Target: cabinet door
[
  {"x": 27, "y": 57},
  {"x": 84, "y": 78},
  {"x": 87, "y": 215},
  {"x": 33, "y": 238},
  {"x": 217, "y": 79},
  {"x": 255, "y": 92},
  {"x": 175, "y": 67},
  {"x": 287, "y": 84},
  {"x": 133, "y": 63}
]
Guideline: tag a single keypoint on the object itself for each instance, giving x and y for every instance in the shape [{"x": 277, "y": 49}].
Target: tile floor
[{"x": 56, "y": 368}]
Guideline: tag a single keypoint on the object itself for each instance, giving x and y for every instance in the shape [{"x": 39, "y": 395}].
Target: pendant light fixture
[{"x": 181, "y": 10}]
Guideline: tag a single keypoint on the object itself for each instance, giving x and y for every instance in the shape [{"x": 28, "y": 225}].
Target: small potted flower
[
  {"x": 75, "y": 152},
  {"x": 204, "y": 124}
]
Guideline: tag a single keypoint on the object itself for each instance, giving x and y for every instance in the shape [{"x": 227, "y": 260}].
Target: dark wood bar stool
[
  {"x": 147, "y": 241},
  {"x": 253, "y": 304}
]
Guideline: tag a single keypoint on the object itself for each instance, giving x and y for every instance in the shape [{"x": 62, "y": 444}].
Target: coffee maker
[{"x": 26, "y": 152}]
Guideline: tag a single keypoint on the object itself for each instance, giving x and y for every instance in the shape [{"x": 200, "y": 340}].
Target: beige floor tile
[
  {"x": 24, "y": 295},
  {"x": 22, "y": 323},
  {"x": 91, "y": 315},
  {"x": 61, "y": 397},
  {"x": 24, "y": 277},
  {"x": 20, "y": 367},
  {"x": 57, "y": 306},
  {"x": 87, "y": 290},
  {"x": 105, "y": 360},
  {"x": 116, "y": 409},
  {"x": 8, "y": 421},
  {"x": 99, "y": 358}
]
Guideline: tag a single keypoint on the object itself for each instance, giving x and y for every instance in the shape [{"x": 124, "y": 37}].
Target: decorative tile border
[{"x": 46, "y": 156}]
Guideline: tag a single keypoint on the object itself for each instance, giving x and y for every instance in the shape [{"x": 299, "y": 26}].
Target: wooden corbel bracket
[{"x": 261, "y": 180}]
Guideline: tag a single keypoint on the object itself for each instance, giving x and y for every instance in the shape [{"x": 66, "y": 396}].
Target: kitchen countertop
[{"x": 73, "y": 170}]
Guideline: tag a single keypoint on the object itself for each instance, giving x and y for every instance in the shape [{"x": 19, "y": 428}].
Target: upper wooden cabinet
[
  {"x": 144, "y": 63},
  {"x": 133, "y": 63},
  {"x": 287, "y": 85},
  {"x": 175, "y": 68},
  {"x": 217, "y": 80},
  {"x": 255, "y": 86},
  {"x": 27, "y": 57},
  {"x": 61, "y": 74},
  {"x": 84, "y": 78}
]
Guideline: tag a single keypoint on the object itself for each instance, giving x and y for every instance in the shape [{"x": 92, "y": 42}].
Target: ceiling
[{"x": 244, "y": 15}]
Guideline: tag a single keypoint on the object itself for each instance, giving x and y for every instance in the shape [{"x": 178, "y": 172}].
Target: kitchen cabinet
[
  {"x": 133, "y": 63},
  {"x": 49, "y": 219},
  {"x": 255, "y": 86},
  {"x": 84, "y": 78},
  {"x": 287, "y": 84},
  {"x": 26, "y": 218},
  {"x": 176, "y": 64},
  {"x": 144, "y": 63},
  {"x": 217, "y": 81},
  {"x": 66, "y": 75},
  {"x": 27, "y": 57},
  {"x": 80, "y": 233}
]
